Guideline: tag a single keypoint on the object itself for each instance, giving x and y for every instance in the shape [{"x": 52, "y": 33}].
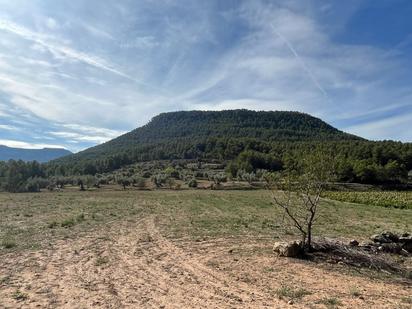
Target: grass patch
[
  {"x": 19, "y": 295},
  {"x": 5, "y": 280},
  {"x": 68, "y": 223},
  {"x": 331, "y": 302},
  {"x": 406, "y": 300},
  {"x": 355, "y": 292},
  {"x": 73, "y": 221},
  {"x": 197, "y": 214},
  {"x": 52, "y": 225},
  {"x": 268, "y": 269},
  {"x": 101, "y": 260},
  {"x": 291, "y": 293},
  {"x": 8, "y": 243}
]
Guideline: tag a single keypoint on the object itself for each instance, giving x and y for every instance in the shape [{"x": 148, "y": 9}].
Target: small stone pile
[
  {"x": 389, "y": 242},
  {"x": 288, "y": 249}
]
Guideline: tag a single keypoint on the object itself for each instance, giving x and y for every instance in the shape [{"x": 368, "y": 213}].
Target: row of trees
[
  {"x": 361, "y": 161},
  {"x": 356, "y": 161}
]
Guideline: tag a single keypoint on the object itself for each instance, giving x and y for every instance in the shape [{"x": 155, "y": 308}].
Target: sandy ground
[{"x": 136, "y": 267}]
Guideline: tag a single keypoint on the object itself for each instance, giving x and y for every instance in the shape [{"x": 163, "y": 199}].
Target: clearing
[{"x": 181, "y": 249}]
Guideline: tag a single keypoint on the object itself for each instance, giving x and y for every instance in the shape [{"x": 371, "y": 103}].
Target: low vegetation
[
  {"x": 288, "y": 292},
  {"x": 331, "y": 302},
  {"x": 32, "y": 220},
  {"x": 395, "y": 199},
  {"x": 226, "y": 236},
  {"x": 245, "y": 144}
]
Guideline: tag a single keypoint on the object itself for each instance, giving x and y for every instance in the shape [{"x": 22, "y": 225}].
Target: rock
[
  {"x": 354, "y": 243},
  {"x": 291, "y": 302},
  {"x": 288, "y": 249}
]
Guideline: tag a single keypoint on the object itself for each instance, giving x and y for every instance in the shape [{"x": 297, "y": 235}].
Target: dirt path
[{"x": 134, "y": 266}]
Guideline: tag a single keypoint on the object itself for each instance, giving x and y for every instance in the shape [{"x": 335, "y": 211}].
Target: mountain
[
  {"x": 40, "y": 155},
  {"x": 203, "y": 134}
]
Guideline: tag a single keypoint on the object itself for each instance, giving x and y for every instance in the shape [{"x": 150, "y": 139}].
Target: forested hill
[
  {"x": 202, "y": 134},
  {"x": 234, "y": 124},
  {"x": 40, "y": 155}
]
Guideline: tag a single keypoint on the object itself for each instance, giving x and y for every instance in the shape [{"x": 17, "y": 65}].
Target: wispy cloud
[
  {"x": 8, "y": 127},
  {"x": 21, "y": 144},
  {"x": 58, "y": 50},
  {"x": 79, "y": 75},
  {"x": 301, "y": 61}
]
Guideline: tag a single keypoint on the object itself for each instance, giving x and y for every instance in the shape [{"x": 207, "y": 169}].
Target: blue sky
[{"x": 77, "y": 73}]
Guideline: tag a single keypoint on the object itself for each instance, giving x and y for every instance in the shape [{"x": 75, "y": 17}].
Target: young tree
[
  {"x": 124, "y": 182},
  {"x": 80, "y": 183},
  {"x": 297, "y": 191}
]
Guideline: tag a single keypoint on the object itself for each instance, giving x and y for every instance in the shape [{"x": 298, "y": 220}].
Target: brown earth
[{"x": 134, "y": 266}]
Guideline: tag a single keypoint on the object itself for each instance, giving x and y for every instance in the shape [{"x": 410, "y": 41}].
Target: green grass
[
  {"x": 291, "y": 293},
  {"x": 188, "y": 213},
  {"x": 406, "y": 300},
  {"x": 19, "y": 295},
  {"x": 8, "y": 243},
  {"x": 101, "y": 260},
  {"x": 393, "y": 199},
  {"x": 331, "y": 302}
]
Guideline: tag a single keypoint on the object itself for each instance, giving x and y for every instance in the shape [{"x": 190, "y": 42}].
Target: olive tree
[{"x": 297, "y": 191}]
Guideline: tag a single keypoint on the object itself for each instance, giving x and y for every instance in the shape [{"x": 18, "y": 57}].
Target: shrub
[
  {"x": 19, "y": 295},
  {"x": 331, "y": 302},
  {"x": 32, "y": 185},
  {"x": 139, "y": 182},
  {"x": 287, "y": 292},
  {"x": 172, "y": 172},
  {"x": 192, "y": 183}
]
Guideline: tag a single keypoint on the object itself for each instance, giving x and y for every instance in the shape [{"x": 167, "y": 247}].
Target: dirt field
[{"x": 168, "y": 250}]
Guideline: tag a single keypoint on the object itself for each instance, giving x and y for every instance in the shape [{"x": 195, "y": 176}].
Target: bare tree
[{"x": 298, "y": 189}]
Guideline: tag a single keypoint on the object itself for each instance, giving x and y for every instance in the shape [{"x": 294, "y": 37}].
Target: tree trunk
[{"x": 309, "y": 237}]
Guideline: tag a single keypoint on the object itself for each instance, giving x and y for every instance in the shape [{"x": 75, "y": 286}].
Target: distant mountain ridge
[
  {"x": 39, "y": 155},
  {"x": 199, "y": 134}
]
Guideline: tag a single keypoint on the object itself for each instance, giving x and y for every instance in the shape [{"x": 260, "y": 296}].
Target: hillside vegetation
[
  {"x": 198, "y": 134},
  {"x": 243, "y": 142},
  {"x": 225, "y": 135}
]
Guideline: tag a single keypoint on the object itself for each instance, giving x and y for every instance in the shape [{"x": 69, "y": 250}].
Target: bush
[
  {"x": 32, "y": 185},
  {"x": 219, "y": 178},
  {"x": 172, "y": 172},
  {"x": 139, "y": 182},
  {"x": 192, "y": 183},
  {"x": 124, "y": 182}
]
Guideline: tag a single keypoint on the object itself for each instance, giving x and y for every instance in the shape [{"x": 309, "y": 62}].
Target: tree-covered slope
[
  {"x": 40, "y": 155},
  {"x": 197, "y": 134}
]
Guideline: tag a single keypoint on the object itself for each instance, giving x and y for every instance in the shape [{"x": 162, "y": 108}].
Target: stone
[
  {"x": 354, "y": 243},
  {"x": 291, "y": 302},
  {"x": 288, "y": 249}
]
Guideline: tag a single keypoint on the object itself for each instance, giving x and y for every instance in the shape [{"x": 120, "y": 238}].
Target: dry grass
[{"x": 177, "y": 249}]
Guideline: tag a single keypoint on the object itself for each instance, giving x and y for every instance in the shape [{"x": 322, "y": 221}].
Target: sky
[{"x": 77, "y": 73}]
